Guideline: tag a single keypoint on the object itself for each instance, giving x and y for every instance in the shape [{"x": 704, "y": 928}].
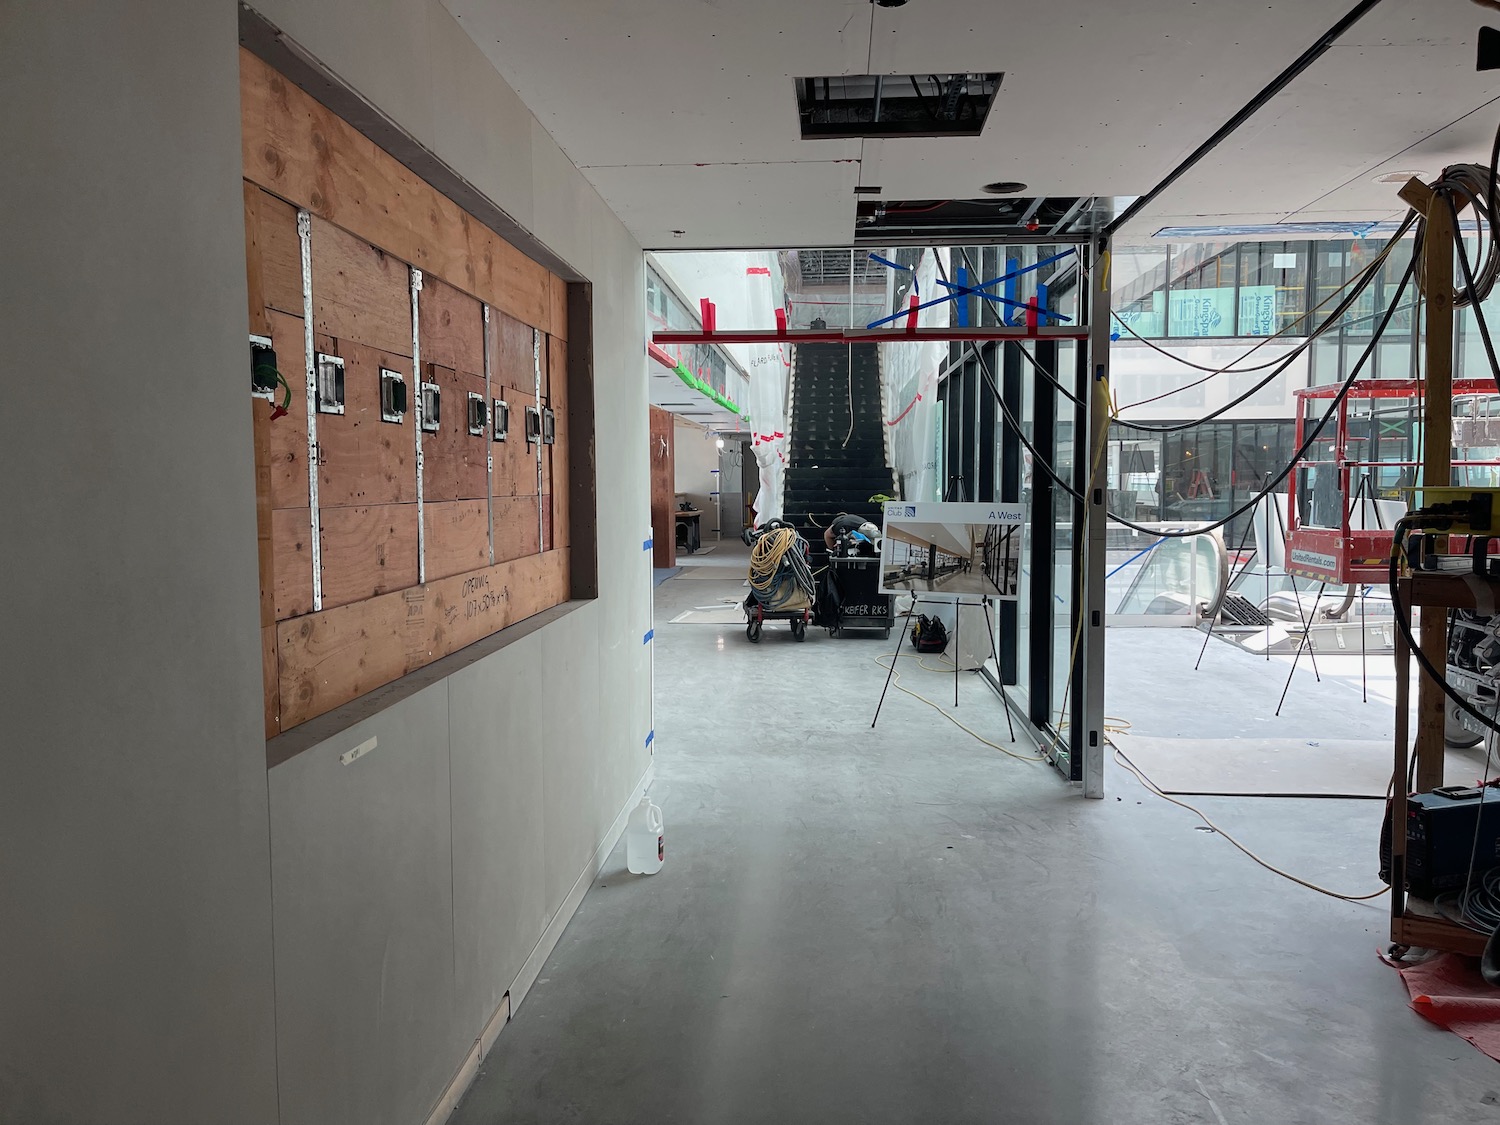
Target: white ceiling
[{"x": 683, "y": 113}]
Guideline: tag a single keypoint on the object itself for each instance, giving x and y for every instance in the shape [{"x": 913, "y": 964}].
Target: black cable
[
  {"x": 1474, "y": 301},
  {"x": 1271, "y": 485},
  {"x": 1333, "y": 317}
]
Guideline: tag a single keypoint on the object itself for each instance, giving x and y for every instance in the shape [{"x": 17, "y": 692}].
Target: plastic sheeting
[
  {"x": 747, "y": 289},
  {"x": 769, "y": 364},
  {"x": 910, "y": 375}
]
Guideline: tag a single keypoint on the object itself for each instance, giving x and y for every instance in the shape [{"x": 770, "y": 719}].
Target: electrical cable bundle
[{"x": 778, "y": 568}]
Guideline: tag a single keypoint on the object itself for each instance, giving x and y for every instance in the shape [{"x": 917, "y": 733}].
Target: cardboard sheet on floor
[
  {"x": 1282, "y": 767},
  {"x": 1448, "y": 990},
  {"x": 713, "y": 573},
  {"x": 711, "y": 615}
]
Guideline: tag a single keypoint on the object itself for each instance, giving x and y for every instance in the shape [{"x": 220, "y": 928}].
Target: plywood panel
[
  {"x": 458, "y": 537},
  {"x": 302, "y": 152},
  {"x": 260, "y": 412},
  {"x": 516, "y": 532},
  {"x": 367, "y": 551},
  {"x": 291, "y": 537},
  {"x": 663, "y": 485},
  {"x": 515, "y": 365},
  {"x": 454, "y": 463},
  {"x": 359, "y": 293},
  {"x": 515, "y": 461},
  {"x": 329, "y": 658},
  {"x": 363, "y": 460},
  {"x": 452, "y": 327},
  {"x": 273, "y": 253},
  {"x": 557, "y": 317},
  {"x": 271, "y": 679},
  {"x": 288, "y": 433},
  {"x": 557, "y": 357}
]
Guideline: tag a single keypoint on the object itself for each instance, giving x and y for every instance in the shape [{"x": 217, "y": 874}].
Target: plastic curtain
[
  {"x": 768, "y": 364},
  {"x": 910, "y": 373}
]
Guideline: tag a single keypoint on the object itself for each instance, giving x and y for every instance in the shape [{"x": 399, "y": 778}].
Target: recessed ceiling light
[
  {"x": 1400, "y": 177},
  {"x": 1005, "y": 187}
]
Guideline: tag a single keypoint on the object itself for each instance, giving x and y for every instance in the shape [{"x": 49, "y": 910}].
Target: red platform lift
[{"x": 1339, "y": 531}]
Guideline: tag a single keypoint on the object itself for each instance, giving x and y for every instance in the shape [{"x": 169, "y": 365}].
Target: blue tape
[
  {"x": 646, "y": 546},
  {"x": 978, "y": 290},
  {"x": 646, "y": 640},
  {"x": 650, "y": 736}
]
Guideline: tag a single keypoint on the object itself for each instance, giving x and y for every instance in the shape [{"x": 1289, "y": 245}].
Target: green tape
[{"x": 705, "y": 389}]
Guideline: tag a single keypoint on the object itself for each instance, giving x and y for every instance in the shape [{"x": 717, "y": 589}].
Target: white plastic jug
[{"x": 645, "y": 844}]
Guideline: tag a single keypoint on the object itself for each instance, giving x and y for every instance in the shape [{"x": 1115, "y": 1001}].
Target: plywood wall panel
[
  {"x": 367, "y": 551},
  {"x": 458, "y": 537},
  {"x": 557, "y": 316},
  {"x": 516, "y": 532},
  {"x": 516, "y": 366},
  {"x": 362, "y": 459},
  {"x": 519, "y": 458},
  {"x": 288, "y": 443},
  {"x": 557, "y": 363},
  {"x": 291, "y": 537},
  {"x": 273, "y": 252},
  {"x": 452, "y": 327},
  {"x": 663, "y": 489},
  {"x": 359, "y": 293},
  {"x": 299, "y": 150},
  {"x": 332, "y": 657},
  {"x": 453, "y": 460},
  {"x": 271, "y": 680}
]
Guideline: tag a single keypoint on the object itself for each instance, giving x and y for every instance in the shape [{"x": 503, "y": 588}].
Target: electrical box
[
  {"x": 549, "y": 426},
  {"x": 392, "y": 396},
  {"x": 500, "y": 418},
  {"x": 533, "y": 425},
  {"x": 432, "y": 406},
  {"x": 262, "y": 367},
  {"x": 330, "y": 384},
  {"x": 478, "y": 416},
  {"x": 1480, "y": 503}
]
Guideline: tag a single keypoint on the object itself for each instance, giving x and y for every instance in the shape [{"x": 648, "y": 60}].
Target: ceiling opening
[{"x": 896, "y": 105}]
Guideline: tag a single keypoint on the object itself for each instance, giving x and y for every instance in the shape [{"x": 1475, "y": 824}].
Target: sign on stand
[{"x": 952, "y": 550}]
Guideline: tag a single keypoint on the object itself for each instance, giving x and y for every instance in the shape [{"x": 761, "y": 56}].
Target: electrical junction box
[
  {"x": 500, "y": 419},
  {"x": 262, "y": 367},
  {"x": 432, "y": 407},
  {"x": 549, "y": 426},
  {"x": 392, "y": 396},
  {"x": 478, "y": 416},
  {"x": 533, "y": 425},
  {"x": 1481, "y": 507},
  {"x": 330, "y": 384}
]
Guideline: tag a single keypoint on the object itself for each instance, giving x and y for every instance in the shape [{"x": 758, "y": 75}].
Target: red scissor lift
[{"x": 1337, "y": 532}]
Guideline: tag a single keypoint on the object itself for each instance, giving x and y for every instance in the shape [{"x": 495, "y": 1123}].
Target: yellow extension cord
[{"x": 765, "y": 558}]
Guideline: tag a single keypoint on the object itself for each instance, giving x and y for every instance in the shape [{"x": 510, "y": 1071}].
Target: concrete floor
[{"x": 902, "y": 925}]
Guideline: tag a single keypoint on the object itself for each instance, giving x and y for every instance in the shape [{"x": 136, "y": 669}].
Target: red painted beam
[{"x": 868, "y": 335}]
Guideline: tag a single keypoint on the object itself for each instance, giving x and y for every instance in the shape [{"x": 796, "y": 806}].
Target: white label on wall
[
  {"x": 358, "y": 752},
  {"x": 1283, "y": 261}
]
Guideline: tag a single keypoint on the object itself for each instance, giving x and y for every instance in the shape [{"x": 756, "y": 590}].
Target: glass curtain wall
[{"x": 1038, "y": 384}]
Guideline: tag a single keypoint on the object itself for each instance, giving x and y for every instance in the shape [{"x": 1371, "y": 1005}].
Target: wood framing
[
  {"x": 339, "y": 494},
  {"x": 331, "y": 657},
  {"x": 301, "y": 151}
]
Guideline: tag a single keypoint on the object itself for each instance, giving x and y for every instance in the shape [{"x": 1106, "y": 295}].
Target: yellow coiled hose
[{"x": 773, "y": 552}]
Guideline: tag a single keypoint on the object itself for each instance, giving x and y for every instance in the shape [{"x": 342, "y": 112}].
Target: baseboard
[{"x": 468, "y": 1067}]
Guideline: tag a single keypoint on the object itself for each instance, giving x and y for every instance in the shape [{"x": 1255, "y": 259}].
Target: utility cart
[{"x": 781, "y": 581}]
